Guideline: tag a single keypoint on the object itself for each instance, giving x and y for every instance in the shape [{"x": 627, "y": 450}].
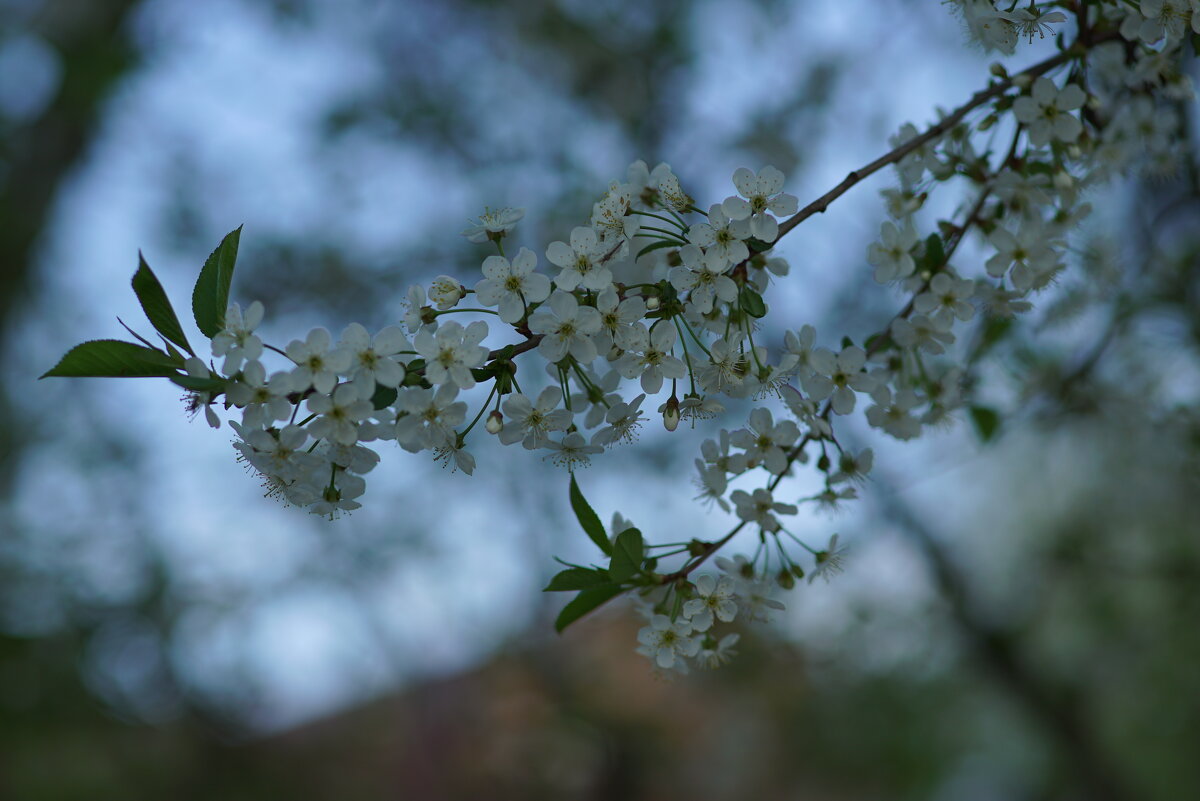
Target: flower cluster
[{"x": 656, "y": 296}]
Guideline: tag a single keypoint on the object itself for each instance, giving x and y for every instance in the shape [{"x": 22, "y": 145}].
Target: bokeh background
[{"x": 1018, "y": 618}]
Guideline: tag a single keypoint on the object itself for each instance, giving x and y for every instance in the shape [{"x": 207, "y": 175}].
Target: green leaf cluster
[{"x": 114, "y": 358}]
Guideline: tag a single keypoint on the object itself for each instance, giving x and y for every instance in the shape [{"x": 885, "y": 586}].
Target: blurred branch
[
  {"x": 1054, "y": 708},
  {"x": 93, "y": 56}
]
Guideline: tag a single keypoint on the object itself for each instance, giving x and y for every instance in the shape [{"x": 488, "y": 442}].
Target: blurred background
[{"x": 1018, "y": 618}]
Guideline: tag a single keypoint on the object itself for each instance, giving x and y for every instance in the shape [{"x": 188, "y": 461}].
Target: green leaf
[
  {"x": 653, "y": 246},
  {"x": 578, "y": 578},
  {"x": 112, "y": 358},
  {"x": 627, "y": 555},
  {"x": 752, "y": 303},
  {"x": 588, "y": 519},
  {"x": 157, "y": 306},
  {"x": 987, "y": 422},
  {"x": 935, "y": 253},
  {"x": 585, "y": 602},
  {"x": 198, "y": 384},
  {"x": 210, "y": 298},
  {"x": 383, "y": 397}
]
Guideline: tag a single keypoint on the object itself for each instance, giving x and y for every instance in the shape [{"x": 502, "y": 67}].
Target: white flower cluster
[{"x": 654, "y": 296}]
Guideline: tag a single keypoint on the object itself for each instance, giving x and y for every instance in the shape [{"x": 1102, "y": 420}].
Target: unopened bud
[
  {"x": 671, "y": 413},
  {"x": 446, "y": 292},
  {"x": 1022, "y": 81},
  {"x": 786, "y": 579},
  {"x": 652, "y": 303},
  {"x": 495, "y": 422},
  {"x": 997, "y": 69}
]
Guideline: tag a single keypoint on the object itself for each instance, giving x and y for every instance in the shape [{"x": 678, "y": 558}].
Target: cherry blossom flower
[
  {"x": 581, "y": 261},
  {"x": 667, "y": 643},
  {"x": 494, "y": 225},
  {"x": 566, "y": 328},
  {"x": 512, "y": 285},
  {"x": 451, "y": 352},
  {"x": 530, "y": 423},
  {"x": 316, "y": 365},
  {"x": 1044, "y": 111},
  {"x": 372, "y": 360},
  {"x": 236, "y": 340},
  {"x": 763, "y": 197},
  {"x": 714, "y": 598}
]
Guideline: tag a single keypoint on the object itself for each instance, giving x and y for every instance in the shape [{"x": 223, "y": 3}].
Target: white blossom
[{"x": 512, "y": 285}]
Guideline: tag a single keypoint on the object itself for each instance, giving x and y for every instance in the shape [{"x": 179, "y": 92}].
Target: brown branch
[{"x": 819, "y": 205}]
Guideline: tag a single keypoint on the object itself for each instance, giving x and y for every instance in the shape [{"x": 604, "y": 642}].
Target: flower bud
[
  {"x": 652, "y": 303},
  {"x": 997, "y": 69},
  {"x": 446, "y": 292},
  {"x": 785, "y": 579},
  {"x": 1022, "y": 82},
  {"x": 495, "y": 422},
  {"x": 670, "y": 412}
]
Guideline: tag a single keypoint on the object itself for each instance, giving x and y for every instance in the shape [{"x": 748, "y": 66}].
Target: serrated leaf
[
  {"x": 157, "y": 306},
  {"x": 987, "y": 422},
  {"x": 752, "y": 303},
  {"x": 113, "y": 358},
  {"x": 588, "y": 520},
  {"x": 210, "y": 297},
  {"x": 627, "y": 555},
  {"x": 653, "y": 246},
  {"x": 578, "y": 578},
  {"x": 585, "y": 602}
]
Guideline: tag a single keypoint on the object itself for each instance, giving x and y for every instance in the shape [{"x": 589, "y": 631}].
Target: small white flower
[
  {"x": 946, "y": 300},
  {"x": 451, "y": 352},
  {"x": 722, "y": 239},
  {"x": 616, "y": 319},
  {"x": 766, "y": 442},
  {"x": 446, "y": 292},
  {"x": 371, "y": 361},
  {"x": 414, "y": 309},
  {"x": 829, "y": 561},
  {"x": 667, "y": 643},
  {"x": 236, "y": 341},
  {"x": 649, "y": 357},
  {"x": 894, "y": 414},
  {"x": 263, "y": 401},
  {"x": 764, "y": 197},
  {"x": 513, "y": 285},
  {"x": 920, "y": 333},
  {"x": 706, "y": 285},
  {"x": 714, "y": 653},
  {"x": 892, "y": 256},
  {"x": 839, "y": 375},
  {"x": 566, "y": 327},
  {"x": 760, "y": 507},
  {"x": 532, "y": 422},
  {"x": 611, "y": 217},
  {"x": 581, "y": 261},
  {"x": 574, "y": 451},
  {"x": 1045, "y": 109},
  {"x": 713, "y": 598},
  {"x": 427, "y": 417},
  {"x": 316, "y": 365},
  {"x": 624, "y": 420},
  {"x": 339, "y": 413},
  {"x": 494, "y": 224}
]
